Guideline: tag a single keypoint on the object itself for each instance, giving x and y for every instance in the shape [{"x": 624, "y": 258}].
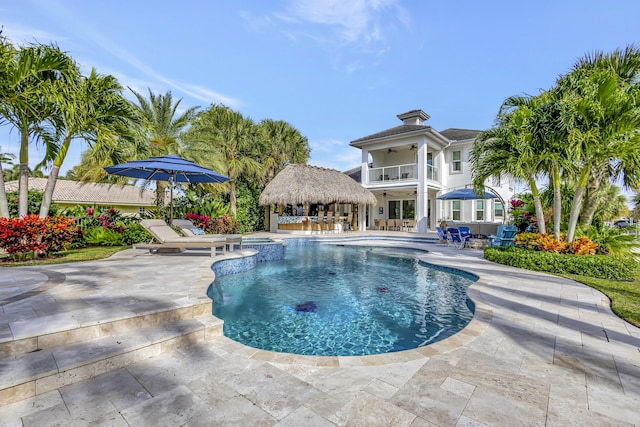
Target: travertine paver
[{"x": 541, "y": 350}]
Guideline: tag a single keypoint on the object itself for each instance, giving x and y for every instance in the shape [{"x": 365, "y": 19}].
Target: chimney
[{"x": 413, "y": 117}]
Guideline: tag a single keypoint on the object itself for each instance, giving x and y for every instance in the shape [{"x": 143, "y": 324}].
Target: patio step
[
  {"x": 38, "y": 371},
  {"x": 55, "y": 330}
]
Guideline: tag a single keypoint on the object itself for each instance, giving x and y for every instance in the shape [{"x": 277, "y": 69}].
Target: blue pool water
[{"x": 341, "y": 301}]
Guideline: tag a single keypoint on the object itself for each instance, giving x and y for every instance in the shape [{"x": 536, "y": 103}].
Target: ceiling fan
[
  {"x": 413, "y": 147},
  {"x": 391, "y": 150}
]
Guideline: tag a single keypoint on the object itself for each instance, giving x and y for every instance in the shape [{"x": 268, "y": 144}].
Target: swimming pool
[{"x": 342, "y": 301}]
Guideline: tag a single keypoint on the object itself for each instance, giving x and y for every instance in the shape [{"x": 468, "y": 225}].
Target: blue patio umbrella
[
  {"x": 169, "y": 168},
  {"x": 465, "y": 194}
]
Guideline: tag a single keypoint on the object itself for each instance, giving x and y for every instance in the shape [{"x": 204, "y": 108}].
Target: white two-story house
[{"x": 408, "y": 166}]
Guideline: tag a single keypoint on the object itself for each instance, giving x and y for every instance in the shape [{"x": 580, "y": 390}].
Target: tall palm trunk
[
  {"x": 23, "y": 182},
  {"x": 4, "y": 206},
  {"x": 52, "y": 179},
  {"x": 47, "y": 196},
  {"x": 577, "y": 202},
  {"x": 232, "y": 197},
  {"x": 160, "y": 190},
  {"x": 591, "y": 196},
  {"x": 542, "y": 227},
  {"x": 557, "y": 201}
]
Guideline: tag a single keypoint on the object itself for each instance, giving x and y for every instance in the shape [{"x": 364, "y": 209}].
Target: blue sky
[{"x": 336, "y": 70}]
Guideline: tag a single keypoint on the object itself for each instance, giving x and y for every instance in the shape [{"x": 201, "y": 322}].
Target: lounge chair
[
  {"x": 187, "y": 228},
  {"x": 455, "y": 239},
  {"x": 505, "y": 236},
  {"x": 168, "y": 238},
  {"x": 442, "y": 237},
  {"x": 465, "y": 232}
]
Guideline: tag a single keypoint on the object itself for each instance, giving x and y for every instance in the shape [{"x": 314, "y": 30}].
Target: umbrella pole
[{"x": 171, "y": 200}]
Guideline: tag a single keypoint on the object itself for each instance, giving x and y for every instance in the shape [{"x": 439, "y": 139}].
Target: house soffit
[{"x": 433, "y": 139}]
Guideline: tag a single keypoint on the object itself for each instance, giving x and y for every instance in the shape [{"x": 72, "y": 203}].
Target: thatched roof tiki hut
[{"x": 305, "y": 184}]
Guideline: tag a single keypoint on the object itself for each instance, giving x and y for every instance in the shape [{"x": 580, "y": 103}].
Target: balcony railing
[
  {"x": 400, "y": 173},
  {"x": 432, "y": 173}
]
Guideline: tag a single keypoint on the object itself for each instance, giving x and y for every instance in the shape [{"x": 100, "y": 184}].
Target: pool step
[{"x": 38, "y": 371}]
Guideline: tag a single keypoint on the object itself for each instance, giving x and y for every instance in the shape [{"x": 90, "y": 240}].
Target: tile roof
[
  {"x": 455, "y": 134},
  {"x": 355, "y": 173},
  {"x": 91, "y": 193}
]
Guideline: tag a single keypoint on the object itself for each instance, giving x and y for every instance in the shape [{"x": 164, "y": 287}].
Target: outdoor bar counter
[{"x": 310, "y": 223}]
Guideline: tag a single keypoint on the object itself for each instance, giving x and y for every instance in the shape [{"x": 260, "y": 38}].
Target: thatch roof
[{"x": 304, "y": 183}]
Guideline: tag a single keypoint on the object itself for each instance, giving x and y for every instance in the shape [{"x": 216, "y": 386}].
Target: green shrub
[
  {"x": 136, "y": 233},
  {"x": 34, "y": 201},
  {"x": 598, "y": 266},
  {"x": 100, "y": 236}
]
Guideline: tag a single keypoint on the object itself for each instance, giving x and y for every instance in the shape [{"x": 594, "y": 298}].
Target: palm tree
[
  {"x": 611, "y": 203},
  {"x": 600, "y": 114},
  {"x": 231, "y": 140},
  {"x": 282, "y": 144},
  {"x": 28, "y": 77},
  {"x": 509, "y": 149},
  {"x": 162, "y": 127},
  {"x": 91, "y": 108},
  {"x": 553, "y": 150}
]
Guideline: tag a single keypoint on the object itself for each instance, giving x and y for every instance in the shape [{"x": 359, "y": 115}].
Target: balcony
[{"x": 408, "y": 172}]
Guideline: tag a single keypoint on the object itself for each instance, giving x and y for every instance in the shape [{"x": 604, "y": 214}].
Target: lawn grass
[
  {"x": 72, "y": 255},
  {"x": 624, "y": 296}
]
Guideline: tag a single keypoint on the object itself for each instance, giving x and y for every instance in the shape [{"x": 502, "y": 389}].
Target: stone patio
[{"x": 541, "y": 350}]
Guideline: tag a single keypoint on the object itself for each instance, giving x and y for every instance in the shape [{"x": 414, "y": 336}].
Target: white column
[
  {"x": 364, "y": 167},
  {"x": 422, "y": 195}
]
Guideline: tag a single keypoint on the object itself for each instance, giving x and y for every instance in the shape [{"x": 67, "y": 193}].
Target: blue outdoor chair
[
  {"x": 505, "y": 236},
  {"x": 442, "y": 236},
  {"x": 465, "y": 232},
  {"x": 455, "y": 239}
]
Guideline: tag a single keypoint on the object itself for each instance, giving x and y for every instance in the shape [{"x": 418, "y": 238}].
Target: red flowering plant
[
  {"x": 582, "y": 246},
  {"x": 61, "y": 231},
  {"x": 548, "y": 243},
  {"x": 224, "y": 225},
  {"x": 200, "y": 221},
  {"x": 516, "y": 203},
  {"x": 34, "y": 236},
  {"x": 22, "y": 236},
  {"x": 111, "y": 220}
]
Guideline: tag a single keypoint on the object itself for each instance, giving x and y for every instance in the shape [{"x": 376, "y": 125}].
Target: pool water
[{"x": 342, "y": 301}]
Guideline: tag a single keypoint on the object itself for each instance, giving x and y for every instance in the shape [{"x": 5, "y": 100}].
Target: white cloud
[
  {"x": 89, "y": 35},
  {"x": 358, "y": 26},
  {"x": 357, "y": 22},
  {"x": 20, "y": 35},
  {"x": 334, "y": 154}
]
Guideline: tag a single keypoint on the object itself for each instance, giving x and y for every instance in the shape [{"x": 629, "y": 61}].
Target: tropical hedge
[{"x": 597, "y": 266}]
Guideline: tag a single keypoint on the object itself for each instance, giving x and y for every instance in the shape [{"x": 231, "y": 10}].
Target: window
[
  {"x": 479, "y": 210},
  {"x": 498, "y": 210},
  {"x": 456, "y": 164},
  {"x": 455, "y": 210}
]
